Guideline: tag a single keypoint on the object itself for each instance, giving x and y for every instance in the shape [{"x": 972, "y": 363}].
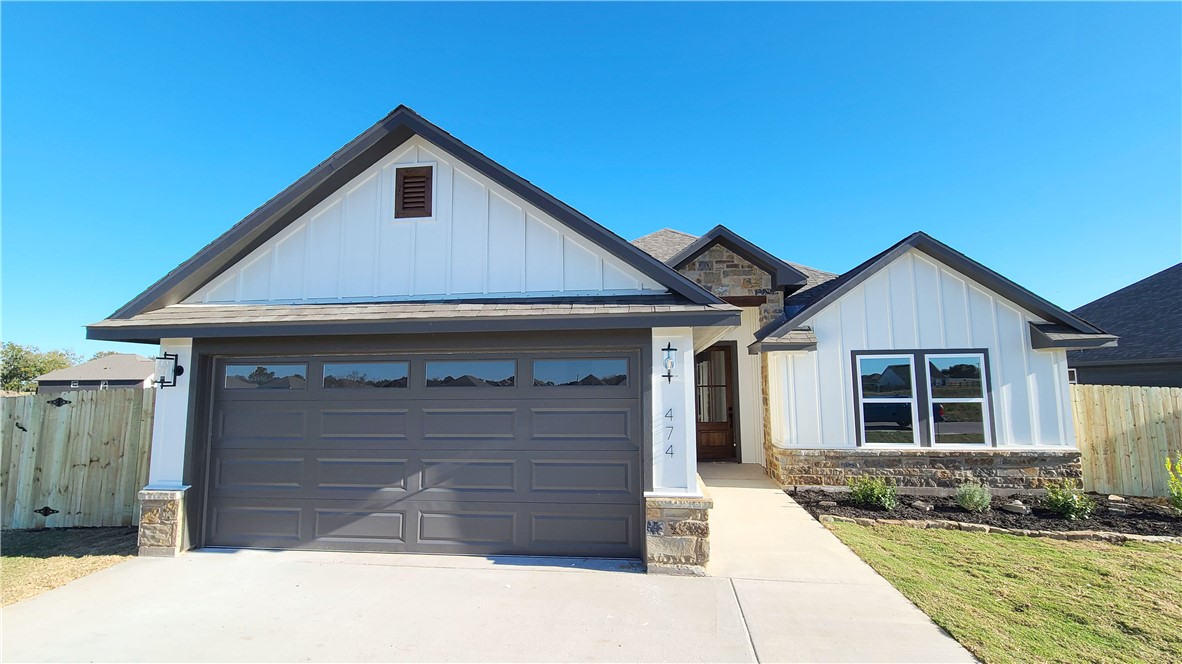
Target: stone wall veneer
[
  {"x": 925, "y": 468},
  {"x": 726, "y": 274},
  {"x": 677, "y": 535},
  {"x": 162, "y": 519}
]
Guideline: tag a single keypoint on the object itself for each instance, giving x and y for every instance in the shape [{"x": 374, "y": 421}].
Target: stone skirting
[
  {"x": 162, "y": 521},
  {"x": 924, "y": 468},
  {"x": 677, "y": 534}
]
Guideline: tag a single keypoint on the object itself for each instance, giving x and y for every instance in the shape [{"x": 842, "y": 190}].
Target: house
[
  {"x": 413, "y": 349},
  {"x": 1148, "y": 317},
  {"x": 109, "y": 372}
]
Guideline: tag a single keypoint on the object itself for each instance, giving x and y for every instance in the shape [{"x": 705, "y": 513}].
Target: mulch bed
[{"x": 1146, "y": 516}]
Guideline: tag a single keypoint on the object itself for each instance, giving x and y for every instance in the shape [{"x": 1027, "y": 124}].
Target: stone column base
[
  {"x": 162, "y": 519},
  {"x": 677, "y": 535}
]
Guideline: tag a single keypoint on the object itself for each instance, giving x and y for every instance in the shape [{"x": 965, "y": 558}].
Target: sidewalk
[{"x": 804, "y": 595}]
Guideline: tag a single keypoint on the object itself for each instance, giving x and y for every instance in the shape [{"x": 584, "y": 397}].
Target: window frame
[
  {"x": 398, "y": 213},
  {"x": 922, "y": 420},
  {"x": 916, "y": 438}
]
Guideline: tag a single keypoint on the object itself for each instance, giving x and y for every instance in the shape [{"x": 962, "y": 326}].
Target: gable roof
[
  {"x": 342, "y": 166},
  {"x": 120, "y": 366},
  {"x": 667, "y": 243},
  {"x": 782, "y": 273},
  {"x": 803, "y": 304},
  {"x": 1147, "y": 315}
]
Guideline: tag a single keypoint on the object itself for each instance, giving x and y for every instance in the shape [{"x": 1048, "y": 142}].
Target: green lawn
[
  {"x": 33, "y": 561},
  {"x": 1019, "y": 599}
]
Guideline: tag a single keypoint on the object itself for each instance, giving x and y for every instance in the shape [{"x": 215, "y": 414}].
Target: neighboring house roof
[
  {"x": 342, "y": 166},
  {"x": 120, "y": 366},
  {"x": 209, "y": 320},
  {"x": 666, "y": 244},
  {"x": 1148, "y": 317},
  {"x": 803, "y": 304}
]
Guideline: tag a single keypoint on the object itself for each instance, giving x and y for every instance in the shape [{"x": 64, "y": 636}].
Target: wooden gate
[{"x": 87, "y": 459}]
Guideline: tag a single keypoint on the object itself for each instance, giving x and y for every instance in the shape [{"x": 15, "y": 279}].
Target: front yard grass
[
  {"x": 33, "y": 561},
  {"x": 1019, "y": 599}
]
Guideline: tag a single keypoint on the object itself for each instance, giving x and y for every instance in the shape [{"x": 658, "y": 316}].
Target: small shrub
[
  {"x": 1175, "y": 483},
  {"x": 1066, "y": 499},
  {"x": 974, "y": 497},
  {"x": 874, "y": 492}
]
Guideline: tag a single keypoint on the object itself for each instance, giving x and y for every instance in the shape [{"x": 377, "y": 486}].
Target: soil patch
[{"x": 1144, "y": 516}]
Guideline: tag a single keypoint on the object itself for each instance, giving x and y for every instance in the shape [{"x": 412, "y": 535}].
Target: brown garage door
[{"x": 525, "y": 453}]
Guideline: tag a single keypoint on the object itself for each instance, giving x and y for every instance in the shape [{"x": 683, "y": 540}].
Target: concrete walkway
[
  {"x": 784, "y": 590},
  {"x": 805, "y": 596}
]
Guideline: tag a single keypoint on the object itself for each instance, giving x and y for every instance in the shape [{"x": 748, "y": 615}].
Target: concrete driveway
[{"x": 813, "y": 602}]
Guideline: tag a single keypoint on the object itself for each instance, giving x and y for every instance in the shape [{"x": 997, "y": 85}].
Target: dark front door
[
  {"x": 715, "y": 397},
  {"x": 532, "y": 452}
]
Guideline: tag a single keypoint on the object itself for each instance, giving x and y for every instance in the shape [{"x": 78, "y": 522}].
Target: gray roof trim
[
  {"x": 153, "y": 331},
  {"x": 927, "y": 244},
  {"x": 357, "y": 155},
  {"x": 1072, "y": 362},
  {"x": 1057, "y": 336},
  {"x": 782, "y": 273},
  {"x": 798, "y": 339}
]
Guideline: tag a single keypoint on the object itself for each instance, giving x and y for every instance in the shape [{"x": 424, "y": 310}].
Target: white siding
[
  {"x": 481, "y": 241},
  {"x": 674, "y": 424},
  {"x": 917, "y": 303}
]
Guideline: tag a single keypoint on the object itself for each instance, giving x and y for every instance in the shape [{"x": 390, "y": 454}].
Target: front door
[{"x": 715, "y": 398}]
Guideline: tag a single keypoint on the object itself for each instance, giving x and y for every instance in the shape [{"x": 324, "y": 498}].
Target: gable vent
[{"x": 412, "y": 196}]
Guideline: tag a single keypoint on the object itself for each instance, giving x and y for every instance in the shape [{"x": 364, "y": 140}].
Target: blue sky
[{"x": 1044, "y": 140}]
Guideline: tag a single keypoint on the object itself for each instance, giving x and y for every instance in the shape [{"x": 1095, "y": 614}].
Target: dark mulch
[{"x": 1146, "y": 516}]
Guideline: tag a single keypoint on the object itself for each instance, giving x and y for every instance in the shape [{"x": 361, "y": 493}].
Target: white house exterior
[{"x": 413, "y": 349}]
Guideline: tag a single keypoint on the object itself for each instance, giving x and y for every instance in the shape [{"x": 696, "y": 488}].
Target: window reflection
[
  {"x": 885, "y": 377},
  {"x": 472, "y": 373},
  {"x": 959, "y": 423},
  {"x": 583, "y": 373},
  {"x": 266, "y": 376},
  {"x": 348, "y": 375},
  {"x": 956, "y": 376}
]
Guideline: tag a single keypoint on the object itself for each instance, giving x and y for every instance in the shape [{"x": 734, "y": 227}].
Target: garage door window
[
  {"x": 472, "y": 373},
  {"x": 600, "y": 372},
  {"x": 266, "y": 377},
  {"x": 365, "y": 375}
]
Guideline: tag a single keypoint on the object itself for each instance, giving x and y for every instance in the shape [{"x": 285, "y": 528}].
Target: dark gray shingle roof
[
  {"x": 1147, "y": 316},
  {"x": 120, "y": 366}
]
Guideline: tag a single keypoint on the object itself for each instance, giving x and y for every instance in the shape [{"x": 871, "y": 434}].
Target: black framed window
[
  {"x": 584, "y": 372},
  {"x": 365, "y": 375},
  {"x": 266, "y": 376},
  {"x": 928, "y": 398},
  {"x": 471, "y": 373}
]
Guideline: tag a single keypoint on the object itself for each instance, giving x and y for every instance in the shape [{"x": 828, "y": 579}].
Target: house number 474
[{"x": 669, "y": 430}]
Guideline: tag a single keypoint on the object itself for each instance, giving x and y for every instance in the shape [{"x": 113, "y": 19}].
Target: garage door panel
[
  {"x": 369, "y": 424},
  {"x": 526, "y": 469}
]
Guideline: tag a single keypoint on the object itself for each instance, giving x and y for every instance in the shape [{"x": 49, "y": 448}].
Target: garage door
[{"x": 525, "y": 453}]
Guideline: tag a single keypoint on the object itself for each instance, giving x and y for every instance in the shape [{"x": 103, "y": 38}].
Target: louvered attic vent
[{"x": 412, "y": 197}]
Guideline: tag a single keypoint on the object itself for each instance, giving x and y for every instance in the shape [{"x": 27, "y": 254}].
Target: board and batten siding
[
  {"x": 481, "y": 240},
  {"x": 917, "y": 303}
]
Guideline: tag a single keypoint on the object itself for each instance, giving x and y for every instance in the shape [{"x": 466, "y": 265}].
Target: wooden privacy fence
[
  {"x": 87, "y": 459},
  {"x": 1124, "y": 434}
]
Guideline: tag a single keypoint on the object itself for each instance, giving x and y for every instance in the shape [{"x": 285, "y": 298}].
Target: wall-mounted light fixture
[
  {"x": 670, "y": 362},
  {"x": 167, "y": 370}
]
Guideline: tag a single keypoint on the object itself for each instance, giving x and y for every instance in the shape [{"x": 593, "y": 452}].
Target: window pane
[
  {"x": 585, "y": 373},
  {"x": 472, "y": 373},
  {"x": 712, "y": 404},
  {"x": 710, "y": 368},
  {"x": 956, "y": 376},
  {"x": 266, "y": 376},
  {"x": 958, "y": 423},
  {"x": 885, "y": 377},
  {"x": 888, "y": 423},
  {"x": 365, "y": 374}
]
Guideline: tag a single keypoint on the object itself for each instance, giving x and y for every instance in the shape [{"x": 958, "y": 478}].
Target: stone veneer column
[
  {"x": 677, "y": 535},
  {"x": 162, "y": 522}
]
